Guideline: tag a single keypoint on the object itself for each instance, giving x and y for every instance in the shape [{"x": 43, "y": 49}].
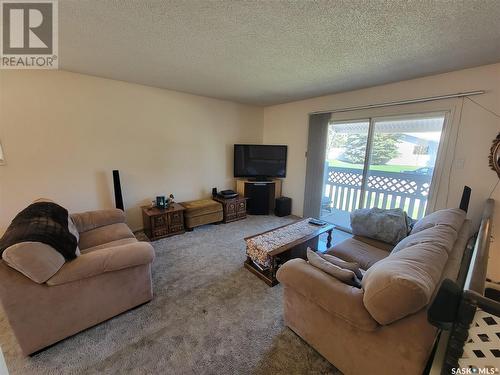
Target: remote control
[{"x": 317, "y": 222}]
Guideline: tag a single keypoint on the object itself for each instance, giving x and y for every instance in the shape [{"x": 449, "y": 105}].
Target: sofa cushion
[
  {"x": 389, "y": 226},
  {"x": 105, "y": 234},
  {"x": 352, "y": 250},
  {"x": 376, "y": 243},
  {"x": 453, "y": 217},
  {"x": 344, "y": 275},
  {"x": 404, "y": 282},
  {"x": 123, "y": 241},
  {"x": 105, "y": 260},
  {"x": 352, "y": 266},
  {"x": 442, "y": 235},
  {"x": 85, "y": 221},
  {"x": 456, "y": 254},
  {"x": 35, "y": 260}
]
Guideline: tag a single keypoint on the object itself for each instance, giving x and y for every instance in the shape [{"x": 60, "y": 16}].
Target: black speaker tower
[
  {"x": 118, "y": 190},
  {"x": 464, "y": 202}
]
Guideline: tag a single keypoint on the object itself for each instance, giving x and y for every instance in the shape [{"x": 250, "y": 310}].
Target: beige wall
[
  {"x": 288, "y": 124},
  {"x": 64, "y": 133}
]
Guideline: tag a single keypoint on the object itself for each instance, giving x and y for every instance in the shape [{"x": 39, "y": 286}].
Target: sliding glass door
[
  {"x": 343, "y": 170},
  {"x": 380, "y": 162}
]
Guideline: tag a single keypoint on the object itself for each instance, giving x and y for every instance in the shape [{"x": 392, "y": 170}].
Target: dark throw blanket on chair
[{"x": 44, "y": 222}]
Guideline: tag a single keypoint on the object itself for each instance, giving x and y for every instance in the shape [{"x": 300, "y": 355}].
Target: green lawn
[{"x": 385, "y": 168}]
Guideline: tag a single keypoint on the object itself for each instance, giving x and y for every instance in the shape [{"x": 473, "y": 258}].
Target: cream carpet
[{"x": 209, "y": 315}]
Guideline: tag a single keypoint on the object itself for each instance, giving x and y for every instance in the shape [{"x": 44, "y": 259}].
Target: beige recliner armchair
[{"x": 112, "y": 275}]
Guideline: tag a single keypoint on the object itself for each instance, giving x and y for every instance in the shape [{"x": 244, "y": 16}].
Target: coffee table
[{"x": 296, "y": 248}]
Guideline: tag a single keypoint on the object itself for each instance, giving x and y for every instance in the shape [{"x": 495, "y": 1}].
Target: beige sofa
[
  {"x": 381, "y": 328},
  {"x": 112, "y": 275}
]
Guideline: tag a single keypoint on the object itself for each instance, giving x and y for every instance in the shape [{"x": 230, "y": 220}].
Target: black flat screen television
[{"x": 260, "y": 161}]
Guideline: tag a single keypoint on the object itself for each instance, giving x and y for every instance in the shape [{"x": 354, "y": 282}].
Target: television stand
[
  {"x": 261, "y": 195},
  {"x": 260, "y": 179}
]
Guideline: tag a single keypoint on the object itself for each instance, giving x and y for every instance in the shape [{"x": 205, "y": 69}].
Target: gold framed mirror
[{"x": 495, "y": 155}]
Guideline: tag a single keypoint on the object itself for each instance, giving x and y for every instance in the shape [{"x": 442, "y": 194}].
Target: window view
[{"x": 396, "y": 172}]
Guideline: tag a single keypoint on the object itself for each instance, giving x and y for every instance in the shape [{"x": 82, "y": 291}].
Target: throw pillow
[
  {"x": 389, "y": 226},
  {"x": 344, "y": 275},
  {"x": 352, "y": 266},
  {"x": 35, "y": 260}
]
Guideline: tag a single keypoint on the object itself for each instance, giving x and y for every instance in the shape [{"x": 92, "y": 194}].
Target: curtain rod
[{"x": 402, "y": 102}]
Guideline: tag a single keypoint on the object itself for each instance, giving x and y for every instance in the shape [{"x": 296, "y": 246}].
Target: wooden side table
[
  {"x": 234, "y": 208},
  {"x": 159, "y": 223}
]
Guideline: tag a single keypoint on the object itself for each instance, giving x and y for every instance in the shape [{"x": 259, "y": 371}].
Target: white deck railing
[{"x": 408, "y": 191}]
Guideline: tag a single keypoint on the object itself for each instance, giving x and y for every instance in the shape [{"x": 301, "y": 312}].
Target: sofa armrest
[
  {"x": 89, "y": 220},
  {"x": 106, "y": 260},
  {"x": 341, "y": 300}
]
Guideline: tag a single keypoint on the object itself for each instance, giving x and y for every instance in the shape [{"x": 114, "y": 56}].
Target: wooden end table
[
  {"x": 294, "y": 249},
  {"x": 233, "y": 208},
  {"x": 159, "y": 223}
]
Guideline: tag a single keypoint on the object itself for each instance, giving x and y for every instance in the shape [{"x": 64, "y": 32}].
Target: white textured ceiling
[{"x": 268, "y": 52}]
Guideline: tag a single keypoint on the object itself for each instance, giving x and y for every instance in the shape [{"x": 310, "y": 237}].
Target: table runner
[{"x": 258, "y": 247}]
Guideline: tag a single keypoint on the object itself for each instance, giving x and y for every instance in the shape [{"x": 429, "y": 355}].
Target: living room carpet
[{"x": 209, "y": 315}]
